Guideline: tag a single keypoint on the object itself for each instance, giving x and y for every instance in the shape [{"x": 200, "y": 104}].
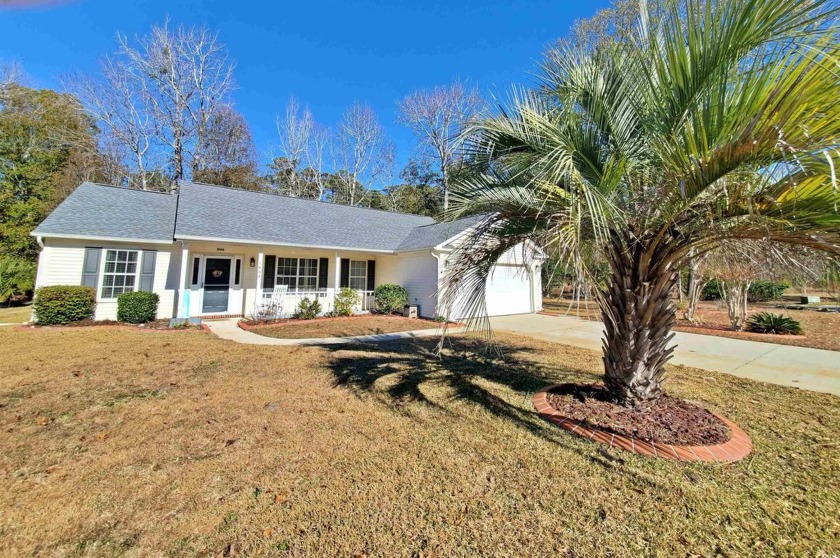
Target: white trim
[
  {"x": 183, "y": 310},
  {"x": 102, "y": 238},
  {"x": 282, "y": 244}
]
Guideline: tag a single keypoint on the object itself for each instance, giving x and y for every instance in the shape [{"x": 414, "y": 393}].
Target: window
[
  {"x": 196, "y": 266},
  {"x": 120, "y": 273},
  {"x": 299, "y": 274},
  {"x": 358, "y": 275},
  {"x": 238, "y": 271}
]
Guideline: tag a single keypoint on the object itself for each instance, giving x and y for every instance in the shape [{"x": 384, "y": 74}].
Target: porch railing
[{"x": 280, "y": 302}]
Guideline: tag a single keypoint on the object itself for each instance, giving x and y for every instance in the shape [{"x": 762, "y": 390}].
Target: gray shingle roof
[
  {"x": 429, "y": 236},
  {"x": 217, "y": 212},
  {"x": 94, "y": 210}
]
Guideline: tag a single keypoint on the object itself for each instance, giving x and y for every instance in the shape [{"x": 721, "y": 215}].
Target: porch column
[
  {"x": 184, "y": 288},
  {"x": 337, "y": 272},
  {"x": 260, "y": 271}
]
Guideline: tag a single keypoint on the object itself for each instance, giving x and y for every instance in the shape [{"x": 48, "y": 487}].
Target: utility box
[
  {"x": 411, "y": 311},
  {"x": 809, "y": 300}
]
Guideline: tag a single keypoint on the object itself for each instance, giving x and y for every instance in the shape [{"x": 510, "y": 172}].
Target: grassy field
[
  {"x": 15, "y": 314},
  {"x": 820, "y": 328},
  {"x": 122, "y": 443},
  {"x": 344, "y": 327}
]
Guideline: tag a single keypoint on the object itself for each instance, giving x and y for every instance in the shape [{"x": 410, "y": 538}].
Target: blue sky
[{"x": 326, "y": 53}]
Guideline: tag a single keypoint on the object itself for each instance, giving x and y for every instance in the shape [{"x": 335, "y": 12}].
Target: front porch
[
  {"x": 219, "y": 279},
  {"x": 280, "y": 302}
]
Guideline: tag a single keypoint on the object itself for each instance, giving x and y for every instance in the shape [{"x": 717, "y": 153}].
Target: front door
[{"x": 216, "y": 285}]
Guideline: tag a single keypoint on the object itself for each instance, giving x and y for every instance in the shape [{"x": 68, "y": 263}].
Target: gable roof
[
  {"x": 429, "y": 236},
  {"x": 109, "y": 212},
  {"x": 207, "y": 212}
]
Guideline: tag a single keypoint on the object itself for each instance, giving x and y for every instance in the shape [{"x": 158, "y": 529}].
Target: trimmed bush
[
  {"x": 390, "y": 299},
  {"x": 763, "y": 291},
  {"x": 64, "y": 304},
  {"x": 138, "y": 307},
  {"x": 307, "y": 309},
  {"x": 767, "y": 322},
  {"x": 345, "y": 300}
]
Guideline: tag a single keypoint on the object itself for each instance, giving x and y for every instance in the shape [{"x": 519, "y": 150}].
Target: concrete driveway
[{"x": 812, "y": 369}]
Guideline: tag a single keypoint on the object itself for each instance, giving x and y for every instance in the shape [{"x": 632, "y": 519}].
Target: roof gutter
[
  {"x": 271, "y": 243},
  {"x": 41, "y": 235}
]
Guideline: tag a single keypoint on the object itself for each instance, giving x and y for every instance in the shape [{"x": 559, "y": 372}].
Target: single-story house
[{"x": 217, "y": 251}]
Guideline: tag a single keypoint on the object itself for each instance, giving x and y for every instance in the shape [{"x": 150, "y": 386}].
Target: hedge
[
  {"x": 64, "y": 304},
  {"x": 137, "y": 307},
  {"x": 390, "y": 298}
]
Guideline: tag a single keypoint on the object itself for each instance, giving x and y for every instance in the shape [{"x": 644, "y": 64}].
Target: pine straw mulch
[
  {"x": 820, "y": 328},
  {"x": 350, "y": 326},
  {"x": 669, "y": 420},
  {"x": 117, "y": 442}
]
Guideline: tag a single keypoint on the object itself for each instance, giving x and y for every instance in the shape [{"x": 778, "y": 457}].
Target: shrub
[
  {"x": 345, "y": 301},
  {"x": 767, "y": 322},
  {"x": 307, "y": 309},
  {"x": 762, "y": 291},
  {"x": 137, "y": 307},
  {"x": 390, "y": 299},
  {"x": 712, "y": 291},
  {"x": 63, "y": 304},
  {"x": 17, "y": 279}
]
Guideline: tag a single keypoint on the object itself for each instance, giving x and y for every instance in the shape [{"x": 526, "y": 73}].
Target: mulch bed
[
  {"x": 157, "y": 325},
  {"x": 669, "y": 420}
]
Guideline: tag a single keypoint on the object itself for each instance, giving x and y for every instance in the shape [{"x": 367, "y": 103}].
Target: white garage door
[{"x": 509, "y": 291}]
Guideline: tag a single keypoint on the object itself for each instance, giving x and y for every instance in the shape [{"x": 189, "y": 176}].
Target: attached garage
[{"x": 510, "y": 291}]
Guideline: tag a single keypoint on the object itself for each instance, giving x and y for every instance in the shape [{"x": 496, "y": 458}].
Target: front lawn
[
  {"x": 119, "y": 442},
  {"x": 15, "y": 314},
  {"x": 343, "y": 327}
]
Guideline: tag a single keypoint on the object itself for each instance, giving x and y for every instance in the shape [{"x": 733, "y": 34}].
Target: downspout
[
  {"x": 437, "y": 255},
  {"x": 38, "y": 273}
]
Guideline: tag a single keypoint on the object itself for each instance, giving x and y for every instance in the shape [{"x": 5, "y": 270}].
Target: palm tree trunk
[{"x": 638, "y": 316}]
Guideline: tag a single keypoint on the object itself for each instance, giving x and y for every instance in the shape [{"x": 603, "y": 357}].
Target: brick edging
[{"x": 737, "y": 448}]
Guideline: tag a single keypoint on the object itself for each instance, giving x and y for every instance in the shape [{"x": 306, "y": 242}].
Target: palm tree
[{"x": 720, "y": 123}]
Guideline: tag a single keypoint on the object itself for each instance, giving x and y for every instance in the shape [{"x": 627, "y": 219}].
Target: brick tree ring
[{"x": 735, "y": 449}]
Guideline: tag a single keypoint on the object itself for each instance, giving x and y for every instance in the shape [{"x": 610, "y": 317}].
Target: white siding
[
  {"x": 417, "y": 272},
  {"x": 60, "y": 263}
]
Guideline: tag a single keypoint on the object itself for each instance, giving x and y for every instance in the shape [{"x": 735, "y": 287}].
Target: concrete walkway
[
  {"x": 227, "y": 329},
  {"x": 812, "y": 369}
]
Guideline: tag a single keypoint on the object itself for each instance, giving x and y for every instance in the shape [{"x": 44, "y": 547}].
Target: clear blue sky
[{"x": 326, "y": 53}]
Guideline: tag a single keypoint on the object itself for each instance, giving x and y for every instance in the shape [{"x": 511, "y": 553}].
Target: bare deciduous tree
[
  {"x": 438, "y": 117},
  {"x": 229, "y": 156},
  {"x": 121, "y": 102},
  {"x": 190, "y": 77},
  {"x": 157, "y": 98},
  {"x": 363, "y": 155}
]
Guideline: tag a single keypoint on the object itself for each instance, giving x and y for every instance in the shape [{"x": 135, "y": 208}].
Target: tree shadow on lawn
[{"x": 397, "y": 371}]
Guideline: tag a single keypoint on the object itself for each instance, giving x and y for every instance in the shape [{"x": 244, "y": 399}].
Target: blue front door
[{"x": 216, "y": 285}]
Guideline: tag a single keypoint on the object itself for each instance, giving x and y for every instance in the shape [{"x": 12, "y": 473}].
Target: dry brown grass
[
  {"x": 343, "y": 327},
  {"x": 15, "y": 314},
  {"x": 122, "y": 443},
  {"x": 820, "y": 328}
]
